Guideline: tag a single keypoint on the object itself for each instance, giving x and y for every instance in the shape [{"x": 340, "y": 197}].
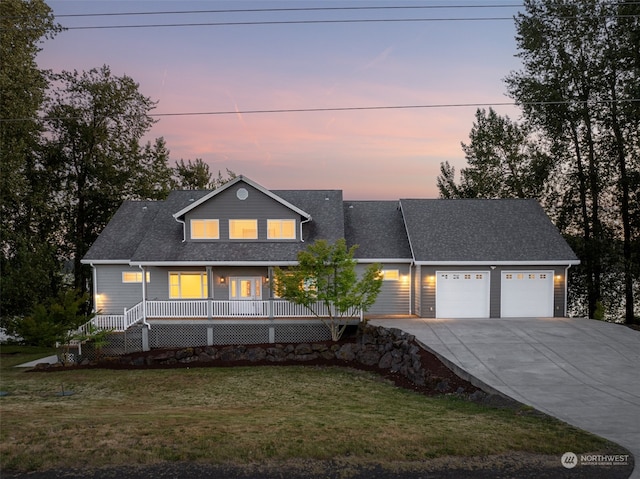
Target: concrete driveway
[{"x": 584, "y": 372}]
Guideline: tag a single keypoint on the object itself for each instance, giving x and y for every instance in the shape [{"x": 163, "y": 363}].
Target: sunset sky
[{"x": 369, "y": 154}]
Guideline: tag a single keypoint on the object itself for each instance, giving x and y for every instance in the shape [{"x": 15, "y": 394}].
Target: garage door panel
[
  {"x": 462, "y": 294},
  {"x": 526, "y": 294}
]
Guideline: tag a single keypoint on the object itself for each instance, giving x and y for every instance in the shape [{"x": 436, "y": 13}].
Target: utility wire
[
  {"x": 288, "y": 22},
  {"x": 357, "y": 108},
  {"x": 299, "y": 9}
]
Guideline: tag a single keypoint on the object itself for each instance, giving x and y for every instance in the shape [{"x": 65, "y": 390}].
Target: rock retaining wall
[{"x": 390, "y": 350}]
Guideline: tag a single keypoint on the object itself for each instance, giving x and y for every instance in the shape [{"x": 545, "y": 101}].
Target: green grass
[{"x": 248, "y": 415}]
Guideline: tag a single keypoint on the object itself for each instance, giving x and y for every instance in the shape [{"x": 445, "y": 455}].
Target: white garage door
[
  {"x": 526, "y": 294},
  {"x": 462, "y": 294}
]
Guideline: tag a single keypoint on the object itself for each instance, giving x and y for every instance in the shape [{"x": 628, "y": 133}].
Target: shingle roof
[
  {"x": 377, "y": 228},
  {"x": 427, "y": 230},
  {"x": 123, "y": 234},
  {"x": 159, "y": 238},
  {"x": 482, "y": 230}
]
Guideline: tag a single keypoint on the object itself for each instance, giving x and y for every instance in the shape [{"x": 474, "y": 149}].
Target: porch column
[
  {"x": 210, "y": 287},
  {"x": 144, "y": 293},
  {"x": 270, "y": 276}
]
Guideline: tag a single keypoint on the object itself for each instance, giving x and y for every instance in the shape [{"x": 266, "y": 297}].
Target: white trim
[
  {"x": 384, "y": 260},
  {"x": 500, "y": 263},
  {"x": 229, "y": 184},
  {"x": 179, "y": 264},
  {"x": 105, "y": 261}
]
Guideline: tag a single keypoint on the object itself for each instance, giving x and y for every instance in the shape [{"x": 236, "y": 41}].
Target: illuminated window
[
  {"x": 187, "y": 285},
  {"x": 134, "y": 277},
  {"x": 281, "y": 229},
  {"x": 532, "y": 276},
  {"x": 243, "y": 229},
  {"x": 245, "y": 288},
  {"x": 390, "y": 274},
  {"x": 520, "y": 276},
  {"x": 205, "y": 229}
]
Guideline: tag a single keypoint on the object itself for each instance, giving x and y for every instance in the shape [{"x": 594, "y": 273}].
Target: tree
[
  {"x": 55, "y": 320},
  {"x": 196, "y": 175},
  {"x": 505, "y": 161},
  {"x": 28, "y": 261},
  {"x": 95, "y": 124},
  {"x": 578, "y": 87},
  {"x": 325, "y": 279}
]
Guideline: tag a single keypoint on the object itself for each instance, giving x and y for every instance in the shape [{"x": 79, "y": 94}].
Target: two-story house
[{"x": 196, "y": 268}]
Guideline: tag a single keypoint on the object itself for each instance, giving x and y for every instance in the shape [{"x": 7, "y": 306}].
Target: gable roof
[
  {"x": 378, "y": 229},
  {"x": 229, "y": 184},
  {"x": 504, "y": 231},
  {"x": 423, "y": 231},
  {"x": 131, "y": 236}
]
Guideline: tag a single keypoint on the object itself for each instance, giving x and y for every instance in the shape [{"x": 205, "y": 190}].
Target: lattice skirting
[{"x": 182, "y": 335}]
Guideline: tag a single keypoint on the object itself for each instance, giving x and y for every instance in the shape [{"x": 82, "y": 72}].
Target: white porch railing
[
  {"x": 116, "y": 322},
  {"x": 203, "y": 309}
]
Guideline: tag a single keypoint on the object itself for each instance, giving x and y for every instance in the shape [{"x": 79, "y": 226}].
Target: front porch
[{"x": 209, "y": 309}]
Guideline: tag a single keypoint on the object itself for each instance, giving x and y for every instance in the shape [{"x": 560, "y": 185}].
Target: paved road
[{"x": 581, "y": 371}]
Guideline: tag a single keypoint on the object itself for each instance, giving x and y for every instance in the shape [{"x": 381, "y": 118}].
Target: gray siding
[
  {"x": 417, "y": 290},
  {"x": 226, "y": 206},
  {"x": 394, "y": 297},
  {"x": 112, "y": 295}
]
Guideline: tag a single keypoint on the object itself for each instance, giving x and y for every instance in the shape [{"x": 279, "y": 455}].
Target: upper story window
[
  {"x": 205, "y": 229},
  {"x": 281, "y": 229},
  {"x": 243, "y": 229}
]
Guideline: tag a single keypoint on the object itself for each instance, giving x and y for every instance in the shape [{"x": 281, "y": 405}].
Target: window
[
  {"x": 467, "y": 276},
  {"x": 390, "y": 274},
  {"x": 246, "y": 288},
  {"x": 509, "y": 276},
  {"x": 243, "y": 229},
  {"x": 134, "y": 277},
  {"x": 187, "y": 285},
  {"x": 205, "y": 229},
  {"x": 479, "y": 276},
  {"x": 281, "y": 229}
]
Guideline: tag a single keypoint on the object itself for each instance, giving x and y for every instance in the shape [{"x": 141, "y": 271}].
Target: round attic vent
[{"x": 242, "y": 194}]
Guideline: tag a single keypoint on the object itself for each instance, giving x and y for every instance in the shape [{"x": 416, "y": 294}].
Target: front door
[{"x": 245, "y": 288}]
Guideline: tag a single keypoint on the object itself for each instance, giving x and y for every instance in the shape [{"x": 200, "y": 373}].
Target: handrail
[{"x": 201, "y": 309}]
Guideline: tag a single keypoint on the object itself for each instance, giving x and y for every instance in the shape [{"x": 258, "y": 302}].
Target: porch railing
[{"x": 203, "y": 309}]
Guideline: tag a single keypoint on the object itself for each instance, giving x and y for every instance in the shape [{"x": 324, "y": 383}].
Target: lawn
[{"x": 243, "y": 415}]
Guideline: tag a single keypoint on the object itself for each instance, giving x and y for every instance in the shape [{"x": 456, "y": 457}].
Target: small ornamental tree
[{"x": 325, "y": 280}]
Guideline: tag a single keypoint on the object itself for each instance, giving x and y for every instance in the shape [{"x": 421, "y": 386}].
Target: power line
[
  {"x": 358, "y": 108},
  {"x": 298, "y": 9},
  {"x": 290, "y": 22}
]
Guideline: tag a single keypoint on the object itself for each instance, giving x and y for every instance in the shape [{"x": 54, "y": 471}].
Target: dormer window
[
  {"x": 205, "y": 229},
  {"x": 243, "y": 229},
  {"x": 281, "y": 229}
]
